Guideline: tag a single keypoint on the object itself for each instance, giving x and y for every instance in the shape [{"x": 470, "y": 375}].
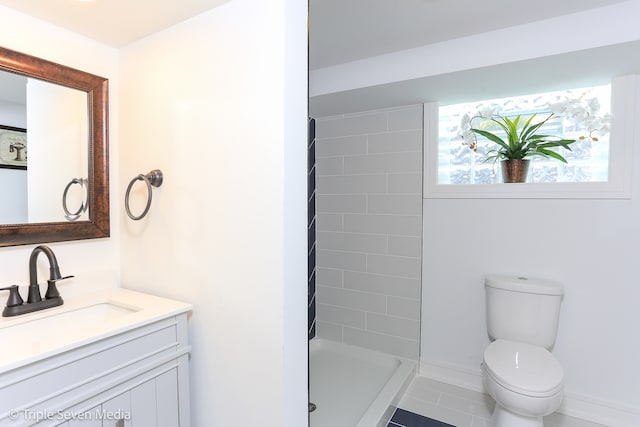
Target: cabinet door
[
  {"x": 116, "y": 412},
  {"x": 167, "y": 396},
  {"x": 155, "y": 402},
  {"x": 143, "y": 405},
  {"x": 90, "y": 418}
]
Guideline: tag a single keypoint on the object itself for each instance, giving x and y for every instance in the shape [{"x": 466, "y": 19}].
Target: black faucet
[{"x": 52, "y": 298}]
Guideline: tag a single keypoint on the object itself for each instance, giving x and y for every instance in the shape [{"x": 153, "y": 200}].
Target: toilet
[{"x": 518, "y": 371}]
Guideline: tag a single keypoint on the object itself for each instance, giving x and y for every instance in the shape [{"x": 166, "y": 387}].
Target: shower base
[{"x": 353, "y": 386}]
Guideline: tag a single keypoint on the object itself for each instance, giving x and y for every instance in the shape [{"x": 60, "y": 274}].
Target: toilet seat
[{"x": 523, "y": 368}]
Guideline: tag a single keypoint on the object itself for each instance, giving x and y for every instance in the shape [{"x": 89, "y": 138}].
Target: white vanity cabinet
[
  {"x": 136, "y": 376},
  {"x": 153, "y": 403}
]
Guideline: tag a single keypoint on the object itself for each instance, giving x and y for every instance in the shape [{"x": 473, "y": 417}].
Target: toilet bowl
[
  {"x": 518, "y": 371},
  {"x": 525, "y": 380}
]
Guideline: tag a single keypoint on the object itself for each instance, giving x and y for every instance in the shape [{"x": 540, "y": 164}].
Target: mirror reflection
[{"x": 44, "y": 140}]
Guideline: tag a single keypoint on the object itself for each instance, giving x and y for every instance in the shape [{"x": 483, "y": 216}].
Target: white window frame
[{"x": 625, "y": 129}]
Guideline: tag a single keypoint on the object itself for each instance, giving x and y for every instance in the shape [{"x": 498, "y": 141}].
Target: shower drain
[{"x": 312, "y": 407}]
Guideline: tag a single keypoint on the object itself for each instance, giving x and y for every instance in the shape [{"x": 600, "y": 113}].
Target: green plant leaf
[
  {"x": 491, "y": 137},
  {"x": 533, "y": 128},
  {"x": 549, "y": 153},
  {"x": 512, "y": 131},
  {"x": 525, "y": 132},
  {"x": 564, "y": 143},
  {"x": 522, "y": 143}
]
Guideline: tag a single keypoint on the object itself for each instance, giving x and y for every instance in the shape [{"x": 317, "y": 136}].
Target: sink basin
[{"x": 62, "y": 322}]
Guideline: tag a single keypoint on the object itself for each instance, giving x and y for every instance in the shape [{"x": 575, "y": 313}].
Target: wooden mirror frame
[{"x": 96, "y": 88}]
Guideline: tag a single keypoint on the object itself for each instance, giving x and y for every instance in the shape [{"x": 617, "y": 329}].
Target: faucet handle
[
  {"x": 61, "y": 278},
  {"x": 14, "y": 296},
  {"x": 52, "y": 291}
]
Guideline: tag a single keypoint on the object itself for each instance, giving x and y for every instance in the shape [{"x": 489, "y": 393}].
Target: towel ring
[
  {"x": 72, "y": 216},
  {"x": 152, "y": 179}
]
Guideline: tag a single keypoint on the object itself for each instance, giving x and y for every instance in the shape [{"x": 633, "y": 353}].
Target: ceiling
[
  {"x": 340, "y": 30},
  {"x": 351, "y": 30},
  {"x": 113, "y": 22},
  {"x": 347, "y": 30}
]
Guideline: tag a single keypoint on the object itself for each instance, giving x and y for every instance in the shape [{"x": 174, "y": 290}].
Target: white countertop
[{"x": 79, "y": 321}]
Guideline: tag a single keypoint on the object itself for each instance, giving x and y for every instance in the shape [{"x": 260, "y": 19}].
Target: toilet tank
[{"x": 523, "y": 309}]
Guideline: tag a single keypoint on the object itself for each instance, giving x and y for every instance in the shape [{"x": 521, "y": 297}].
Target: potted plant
[{"x": 520, "y": 143}]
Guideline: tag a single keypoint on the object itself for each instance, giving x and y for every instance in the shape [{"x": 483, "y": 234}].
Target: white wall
[
  {"x": 57, "y": 124},
  {"x": 13, "y": 114},
  {"x": 218, "y": 103},
  {"x": 589, "y": 245},
  {"x": 13, "y": 198},
  {"x": 95, "y": 263}
]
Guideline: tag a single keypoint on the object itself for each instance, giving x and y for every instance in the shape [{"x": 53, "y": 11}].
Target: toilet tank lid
[{"x": 524, "y": 284}]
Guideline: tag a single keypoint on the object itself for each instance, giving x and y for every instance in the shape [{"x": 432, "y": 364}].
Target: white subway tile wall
[{"x": 369, "y": 228}]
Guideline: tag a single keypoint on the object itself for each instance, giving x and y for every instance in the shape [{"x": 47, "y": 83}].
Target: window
[
  {"x": 587, "y": 162},
  {"x": 597, "y": 167}
]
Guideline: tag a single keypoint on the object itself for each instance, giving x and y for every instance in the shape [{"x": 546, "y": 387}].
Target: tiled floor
[
  {"x": 458, "y": 407},
  {"x": 402, "y": 418}
]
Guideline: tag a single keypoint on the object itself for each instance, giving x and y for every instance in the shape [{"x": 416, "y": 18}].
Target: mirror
[
  {"x": 56, "y": 94},
  {"x": 55, "y": 151}
]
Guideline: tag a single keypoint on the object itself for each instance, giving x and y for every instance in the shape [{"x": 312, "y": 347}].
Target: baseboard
[
  {"x": 452, "y": 374},
  {"x": 574, "y": 405},
  {"x": 599, "y": 410}
]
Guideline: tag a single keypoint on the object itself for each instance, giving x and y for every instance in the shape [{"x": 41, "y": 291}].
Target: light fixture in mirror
[{"x": 66, "y": 123}]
